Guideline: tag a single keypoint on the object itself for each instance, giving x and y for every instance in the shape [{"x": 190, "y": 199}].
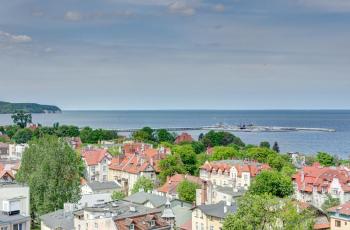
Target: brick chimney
[{"x": 204, "y": 192}]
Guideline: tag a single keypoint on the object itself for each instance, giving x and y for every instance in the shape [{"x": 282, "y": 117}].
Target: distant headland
[{"x": 7, "y": 108}]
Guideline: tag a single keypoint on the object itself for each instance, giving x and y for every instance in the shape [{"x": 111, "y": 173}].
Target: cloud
[
  {"x": 13, "y": 38},
  {"x": 327, "y": 5},
  {"x": 73, "y": 16},
  {"x": 219, "y": 8},
  {"x": 182, "y": 7}
]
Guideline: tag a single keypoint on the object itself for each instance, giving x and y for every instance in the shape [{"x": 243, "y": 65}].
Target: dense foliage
[
  {"x": 142, "y": 183},
  {"x": 52, "y": 170},
  {"x": 117, "y": 195},
  {"x": 21, "y": 118},
  {"x": 187, "y": 191},
  {"x": 212, "y": 139},
  {"x": 268, "y": 212},
  {"x": 325, "y": 159}
]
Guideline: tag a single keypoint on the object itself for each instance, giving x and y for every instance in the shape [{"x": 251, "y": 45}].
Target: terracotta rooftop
[
  {"x": 183, "y": 137},
  {"x": 95, "y": 156},
  {"x": 343, "y": 209},
  {"x": 171, "y": 185}
]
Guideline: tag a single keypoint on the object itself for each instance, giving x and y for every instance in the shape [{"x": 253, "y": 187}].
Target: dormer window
[
  {"x": 153, "y": 223},
  {"x": 131, "y": 227}
]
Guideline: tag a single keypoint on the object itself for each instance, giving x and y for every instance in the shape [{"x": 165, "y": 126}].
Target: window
[
  {"x": 93, "y": 178},
  {"x": 211, "y": 227},
  {"x": 245, "y": 177},
  {"x": 131, "y": 227},
  {"x": 197, "y": 226},
  {"x": 104, "y": 168},
  {"x": 79, "y": 227},
  {"x": 93, "y": 169},
  {"x": 338, "y": 223},
  {"x": 196, "y": 213},
  {"x": 202, "y": 226},
  {"x": 4, "y": 228},
  {"x": 96, "y": 225},
  {"x": 104, "y": 178},
  {"x": 17, "y": 227},
  {"x": 153, "y": 223}
]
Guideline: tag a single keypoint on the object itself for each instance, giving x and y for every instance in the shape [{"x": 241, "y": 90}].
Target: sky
[{"x": 176, "y": 54}]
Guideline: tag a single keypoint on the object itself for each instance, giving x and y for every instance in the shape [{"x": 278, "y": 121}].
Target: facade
[
  {"x": 210, "y": 194},
  {"x": 313, "y": 184},
  {"x": 119, "y": 215},
  {"x": 183, "y": 137},
  {"x": 298, "y": 159},
  {"x": 14, "y": 206},
  {"x": 231, "y": 173},
  {"x": 4, "y": 150},
  {"x": 170, "y": 186},
  {"x": 210, "y": 217},
  {"x": 96, "y": 164},
  {"x": 340, "y": 217},
  {"x": 16, "y": 151}
]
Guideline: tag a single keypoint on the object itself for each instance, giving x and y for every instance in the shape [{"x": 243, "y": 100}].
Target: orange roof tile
[{"x": 94, "y": 157}]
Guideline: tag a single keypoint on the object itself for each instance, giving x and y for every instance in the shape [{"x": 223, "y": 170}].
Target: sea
[{"x": 308, "y": 142}]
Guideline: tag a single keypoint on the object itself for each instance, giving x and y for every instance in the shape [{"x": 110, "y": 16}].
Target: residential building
[
  {"x": 130, "y": 147},
  {"x": 119, "y": 215},
  {"x": 180, "y": 209},
  {"x": 16, "y": 151},
  {"x": 313, "y": 184},
  {"x": 231, "y": 173},
  {"x": 96, "y": 164},
  {"x": 183, "y": 137},
  {"x": 298, "y": 159},
  {"x": 169, "y": 189},
  {"x": 96, "y": 187},
  {"x": 14, "y": 206},
  {"x": 211, "y": 217},
  {"x": 340, "y": 216},
  {"x": 4, "y": 150}
]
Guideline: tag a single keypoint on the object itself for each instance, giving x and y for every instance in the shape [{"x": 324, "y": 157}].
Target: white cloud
[
  {"x": 327, "y": 5},
  {"x": 219, "y": 8},
  {"x": 72, "y": 16},
  {"x": 182, "y": 7},
  {"x": 13, "y": 38}
]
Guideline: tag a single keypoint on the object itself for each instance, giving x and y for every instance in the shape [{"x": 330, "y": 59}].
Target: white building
[
  {"x": 14, "y": 207},
  {"x": 96, "y": 164},
  {"x": 16, "y": 151}
]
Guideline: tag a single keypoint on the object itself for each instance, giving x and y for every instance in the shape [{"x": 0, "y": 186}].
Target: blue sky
[{"x": 176, "y": 54}]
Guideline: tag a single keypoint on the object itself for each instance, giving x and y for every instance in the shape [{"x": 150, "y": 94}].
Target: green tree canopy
[
  {"x": 162, "y": 135},
  {"x": 276, "y": 147},
  {"x": 224, "y": 153},
  {"x": 212, "y": 139},
  {"x": 187, "y": 155},
  {"x": 51, "y": 169},
  {"x": 142, "y": 183},
  {"x": 272, "y": 182},
  {"x": 145, "y": 134},
  {"x": 67, "y": 131},
  {"x": 91, "y": 136},
  {"x": 260, "y": 154},
  {"x": 325, "y": 159},
  {"x": 268, "y": 212},
  {"x": 117, "y": 195},
  {"x": 265, "y": 144},
  {"x": 187, "y": 191},
  {"x": 21, "y": 118},
  {"x": 171, "y": 165},
  {"x": 330, "y": 202},
  {"x": 23, "y": 136}
]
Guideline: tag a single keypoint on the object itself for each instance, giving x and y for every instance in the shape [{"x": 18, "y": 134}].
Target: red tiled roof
[
  {"x": 184, "y": 137},
  {"x": 343, "y": 209},
  {"x": 141, "y": 222},
  {"x": 171, "y": 185},
  {"x": 8, "y": 173},
  {"x": 252, "y": 167},
  {"x": 1, "y": 167},
  {"x": 94, "y": 157},
  {"x": 132, "y": 164},
  {"x": 318, "y": 177},
  {"x": 132, "y": 148}
]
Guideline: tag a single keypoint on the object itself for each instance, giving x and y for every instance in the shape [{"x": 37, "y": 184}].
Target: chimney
[
  {"x": 204, "y": 192},
  {"x": 302, "y": 175}
]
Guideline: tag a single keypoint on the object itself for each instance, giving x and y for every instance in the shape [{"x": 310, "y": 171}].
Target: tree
[
  {"x": 91, "y": 136},
  {"x": 198, "y": 147},
  {"x": 145, "y": 134},
  {"x": 330, "y": 202},
  {"x": 11, "y": 130},
  {"x": 272, "y": 182},
  {"x": 142, "y": 183},
  {"x": 224, "y": 153},
  {"x": 21, "y": 118},
  {"x": 275, "y": 147},
  {"x": 162, "y": 135},
  {"x": 265, "y": 144},
  {"x": 117, "y": 195},
  {"x": 268, "y": 212},
  {"x": 325, "y": 159},
  {"x": 260, "y": 154},
  {"x": 67, "y": 131},
  {"x": 169, "y": 166},
  {"x": 187, "y": 155},
  {"x": 212, "y": 139},
  {"x": 51, "y": 169},
  {"x": 187, "y": 191},
  {"x": 23, "y": 136}
]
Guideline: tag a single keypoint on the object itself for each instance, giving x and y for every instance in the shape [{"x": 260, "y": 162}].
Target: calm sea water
[{"x": 307, "y": 142}]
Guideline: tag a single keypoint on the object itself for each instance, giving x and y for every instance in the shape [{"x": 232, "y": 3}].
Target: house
[
  {"x": 96, "y": 164},
  {"x": 181, "y": 209},
  {"x": 119, "y": 215},
  {"x": 313, "y": 184},
  {"x": 63, "y": 219},
  {"x": 298, "y": 159},
  {"x": 211, "y": 216},
  {"x": 74, "y": 142},
  {"x": 14, "y": 206},
  {"x": 16, "y": 151},
  {"x": 130, "y": 147},
  {"x": 231, "y": 173},
  {"x": 183, "y": 137},
  {"x": 96, "y": 187},
  {"x": 169, "y": 189},
  {"x": 127, "y": 169},
  {"x": 340, "y": 216},
  {"x": 4, "y": 150}
]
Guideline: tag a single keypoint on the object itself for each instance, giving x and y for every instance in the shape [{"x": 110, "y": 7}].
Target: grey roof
[
  {"x": 5, "y": 219},
  {"x": 57, "y": 219},
  {"x": 229, "y": 191},
  {"x": 183, "y": 213},
  {"x": 91, "y": 200},
  {"x": 107, "y": 185},
  {"x": 143, "y": 197},
  {"x": 217, "y": 210}
]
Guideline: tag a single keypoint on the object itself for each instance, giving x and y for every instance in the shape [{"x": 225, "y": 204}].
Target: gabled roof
[
  {"x": 171, "y": 185},
  {"x": 218, "y": 209},
  {"x": 343, "y": 209},
  {"x": 133, "y": 164},
  {"x": 95, "y": 156},
  {"x": 99, "y": 186},
  {"x": 144, "y": 197}
]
